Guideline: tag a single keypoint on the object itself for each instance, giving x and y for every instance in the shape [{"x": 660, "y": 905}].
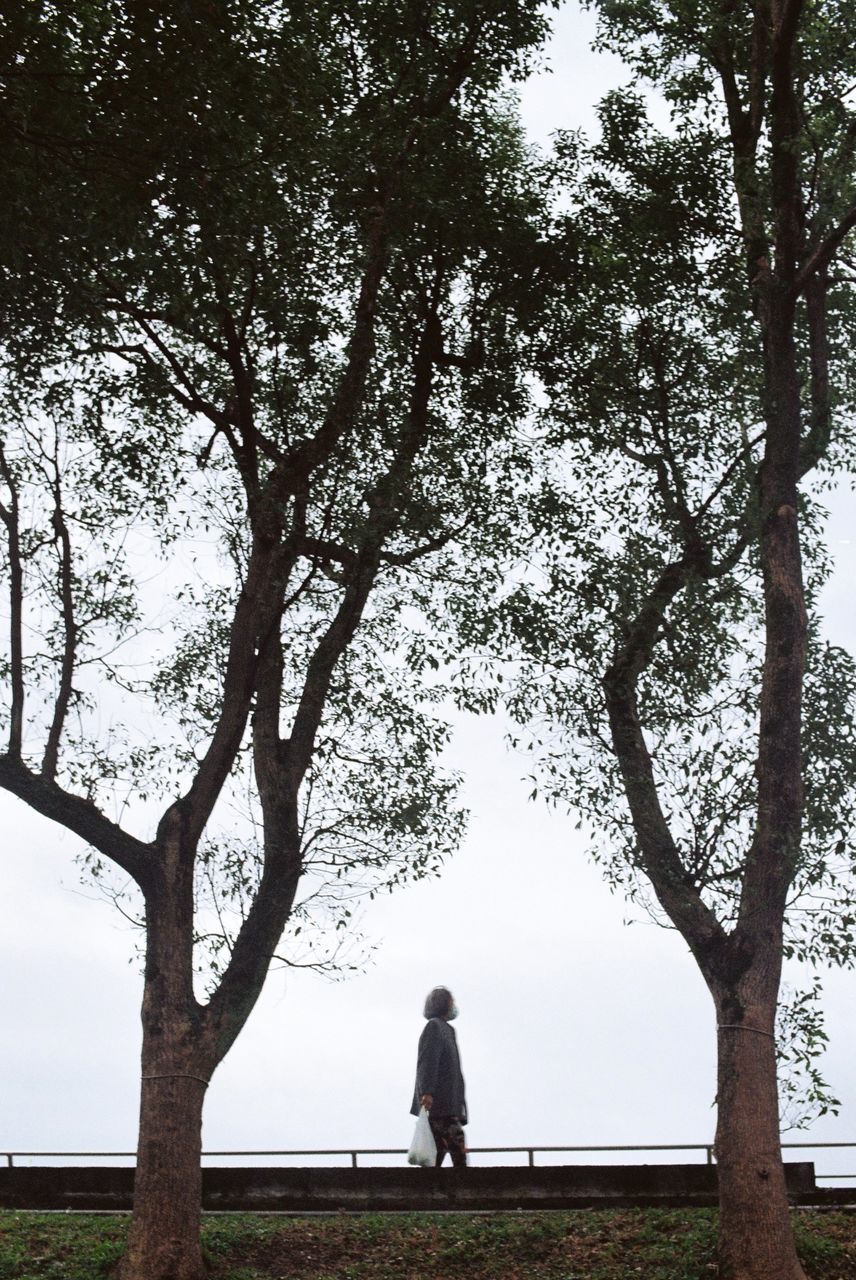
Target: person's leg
[
  {"x": 449, "y": 1135},
  {"x": 438, "y": 1128},
  {"x": 457, "y": 1143}
]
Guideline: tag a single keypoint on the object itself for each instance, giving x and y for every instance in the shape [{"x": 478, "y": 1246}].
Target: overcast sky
[{"x": 575, "y": 1028}]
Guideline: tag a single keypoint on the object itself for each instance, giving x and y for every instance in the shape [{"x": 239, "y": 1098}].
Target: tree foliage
[
  {"x": 205, "y": 197},
  {"x": 651, "y": 438}
]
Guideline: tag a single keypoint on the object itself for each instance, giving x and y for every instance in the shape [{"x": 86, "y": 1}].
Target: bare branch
[
  {"x": 10, "y": 517},
  {"x": 70, "y": 632}
]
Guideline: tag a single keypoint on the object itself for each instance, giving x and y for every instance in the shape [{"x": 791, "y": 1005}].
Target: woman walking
[{"x": 439, "y": 1082}]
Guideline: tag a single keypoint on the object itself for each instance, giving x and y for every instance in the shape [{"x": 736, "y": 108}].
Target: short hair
[{"x": 438, "y": 1002}]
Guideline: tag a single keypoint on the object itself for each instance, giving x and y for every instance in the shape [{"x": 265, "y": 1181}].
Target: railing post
[
  {"x": 9, "y": 1161},
  {"x": 710, "y": 1155},
  {"x": 531, "y": 1157},
  {"x": 353, "y": 1159}
]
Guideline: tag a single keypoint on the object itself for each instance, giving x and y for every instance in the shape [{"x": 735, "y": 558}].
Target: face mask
[{"x": 453, "y": 1013}]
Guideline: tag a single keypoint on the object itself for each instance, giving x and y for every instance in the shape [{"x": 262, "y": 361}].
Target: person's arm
[{"x": 428, "y": 1063}]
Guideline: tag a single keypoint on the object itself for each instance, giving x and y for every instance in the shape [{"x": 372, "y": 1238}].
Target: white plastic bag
[{"x": 423, "y": 1148}]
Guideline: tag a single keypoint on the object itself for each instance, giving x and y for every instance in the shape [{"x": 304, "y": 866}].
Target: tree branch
[
  {"x": 401, "y": 559},
  {"x": 822, "y": 256},
  {"x": 322, "y": 550},
  {"x": 660, "y": 856},
  {"x": 81, "y": 816},
  {"x": 784, "y": 134},
  {"x": 384, "y": 512},
  {"x": 744, "y": 130},
  {"x": 258, "y": 609},
  {"x": 300, "y": 461},
  {"x": 785, "y": 15},
  {"x": 261, "y": 929},
  {"x": 247, "y": 456},
  {"x": 188, "y": 397},
  {"x": 70, "y": 633},
  {"x": 10, "y": 517},
  {"x": 757, "y": 71}
]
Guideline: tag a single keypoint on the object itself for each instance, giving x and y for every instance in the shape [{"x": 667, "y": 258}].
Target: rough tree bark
[
  {"x": 756, "y": 1238},
  {"x": 177, "y": 1061}
]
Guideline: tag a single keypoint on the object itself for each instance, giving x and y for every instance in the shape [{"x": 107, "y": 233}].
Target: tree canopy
[
  {"x": 259, "y": 345},
  {"x": 660, "y": 641}
]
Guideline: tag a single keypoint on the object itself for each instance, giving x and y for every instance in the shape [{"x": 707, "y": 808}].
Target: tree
[
  {"x": 266, "y": 289},
  {"x": 695, "y": 371}
]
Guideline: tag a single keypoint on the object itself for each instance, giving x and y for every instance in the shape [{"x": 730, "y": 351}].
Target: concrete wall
[{"x": 312, "y": 1190}]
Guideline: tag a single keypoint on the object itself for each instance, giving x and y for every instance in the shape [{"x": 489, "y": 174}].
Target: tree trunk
[
  {"x": 164, "y": 1239},
  {"x": 755, "y": 1233},
  {"x": 177, "y": 1063}
]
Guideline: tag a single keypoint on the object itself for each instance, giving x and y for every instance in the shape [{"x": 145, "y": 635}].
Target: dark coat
[{"x": 438, "y": 1071}]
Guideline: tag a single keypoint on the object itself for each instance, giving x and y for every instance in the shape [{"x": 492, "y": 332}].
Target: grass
[{"x": 658, "y": 1244}]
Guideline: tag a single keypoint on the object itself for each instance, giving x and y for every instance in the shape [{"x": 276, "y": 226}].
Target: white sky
[{"x": 574, "y": 1028}]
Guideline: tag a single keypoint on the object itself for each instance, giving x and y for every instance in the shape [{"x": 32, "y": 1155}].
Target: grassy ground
[{"x": 601, "y": 1245}]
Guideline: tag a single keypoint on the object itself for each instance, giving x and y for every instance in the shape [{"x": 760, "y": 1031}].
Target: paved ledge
[{"x": 391, "y": 1189}]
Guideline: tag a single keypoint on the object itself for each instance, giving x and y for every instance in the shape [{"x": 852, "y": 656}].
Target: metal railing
[{"x": 355, "y": 1152}]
